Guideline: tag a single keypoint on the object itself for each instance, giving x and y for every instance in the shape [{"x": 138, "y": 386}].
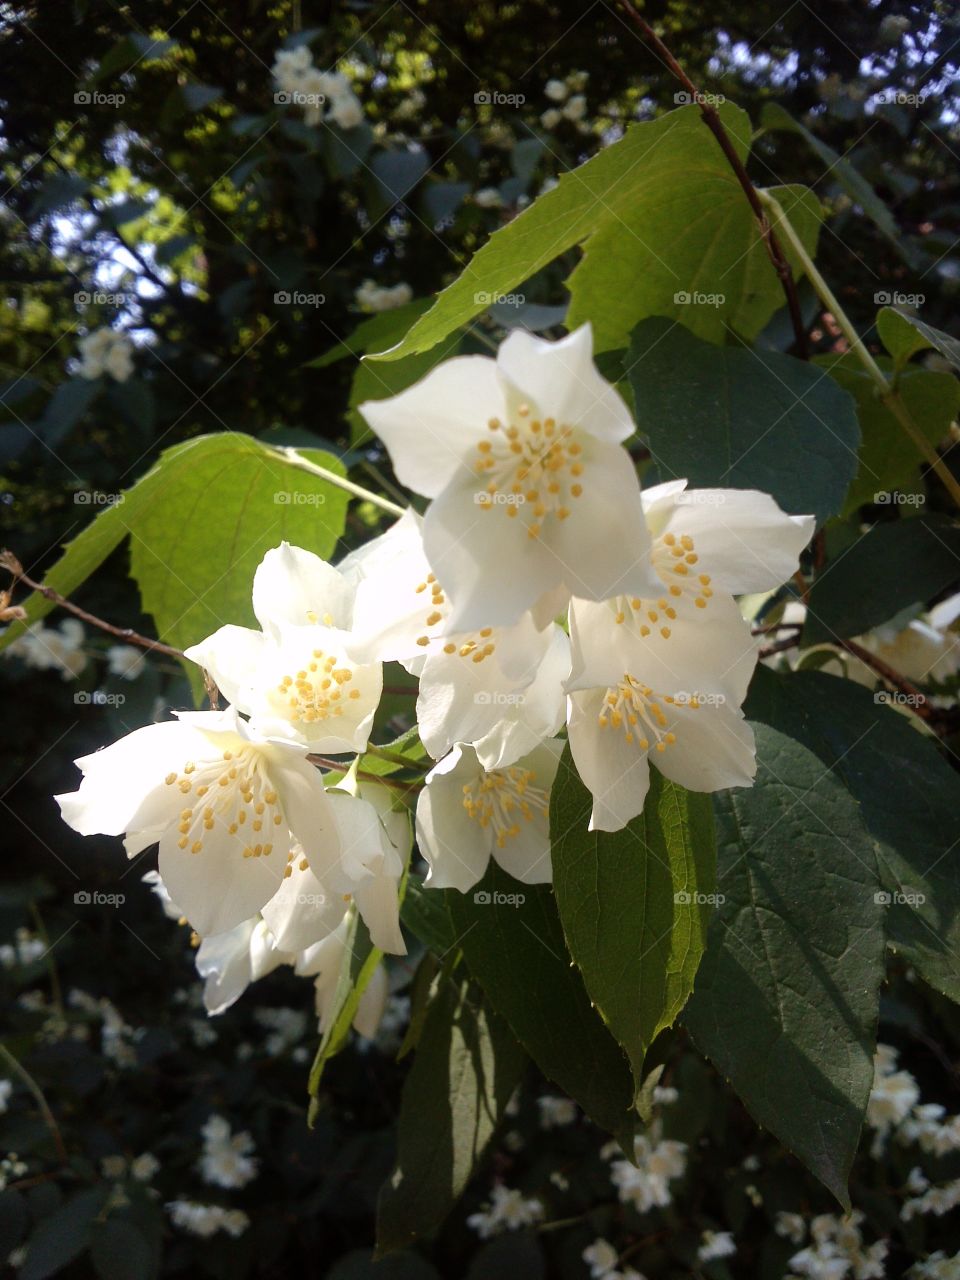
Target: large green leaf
[
  {"x": 465, "y": 1070},
  {"x": 63, "y": 1236},
  {"x": 662, "y": 209},
  {"x": 736, "y": 418},
  {"x": 889, "y": 459},
  {"x": 786, "y": 998},
  {"x": 909, "y": 799},
  {"x": 513, "y": 943},
  {"x": 635, "y": 904},
  {"x": 904, "y": 335},
  {"x": 893, "y": 566},
  {"x": 199, "y": 523}
]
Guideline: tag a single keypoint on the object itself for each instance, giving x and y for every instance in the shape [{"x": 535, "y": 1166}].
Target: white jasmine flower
[
  {"x": 507, "y": 1210},
  {"x": 575, "y": 108},
  {"x": 937, "y": 1200},
  {"x": 228, "y": 962},
  {"x": 126, "y": 661},
  {"x": 791, "y": 1226},
  {"x": 226, "y": 1160},
  {"x": 207, "y": 1219},
  {"x": 488, "y": 198},
  {"x": 219, "y": 799},
  {"x": 892, "y": 1097},
  {"x": 57, "y": 649},
  {"x": 465, "y": 816},
  {"x": 523, "y": 459},
  {"x": 555, "y": 90},
  {"x": 347, "y": 111},
  {"x": 323, "y": 962},
  {"x": 560, "y": 1180},
  {"x": 371, "y": 296},
  {"x": 647, "y": 1183},
  {"x": 550, "y": 118},
  {"x": 716, "y": 1244},
  {"x": 937, "y": 1266},
  {"x": 601, "y": 1257},
  {"x": 106, "y": 351},
  {"x": 556, "y": 1112},
  {"x": 577, "y": 80},
  {"x": 144, "y": 1167}
]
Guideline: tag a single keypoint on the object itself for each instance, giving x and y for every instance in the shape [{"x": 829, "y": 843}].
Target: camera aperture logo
[
  {"x": 899, "y": 898},
  {"x": 96, "y": 898},
  {"x": 484, "y": 898},
  {"x": 684, "y": 898}
]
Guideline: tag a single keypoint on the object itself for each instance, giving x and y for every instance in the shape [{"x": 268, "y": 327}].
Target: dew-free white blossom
[
  {"x": 791, "y": 1226},
  {"x": 936, "y": 1267},
  {"x": 716, "y": 1244},
  {"x": 293, "y": 677},
  {"x": 106, "y": 352},
  {"x": 145, "y": 1167},
  {"x": 52, "y": 648},
  {"x": 555, "y": 90},
  {"x": 523, "y": 459},
  {"x": 892, "y": 1097},
  {"x": 374, "y": 297},
  {"x": 126, "y": 661},
  {"x": 488, "y": 198},
  {"x": 227, "y": 1159},
  {"x": 323, "y": 962},
  {"x": 551, "y": 118},
  {"x": 224, "y": 804},
  {"x": 466, "y": 815},
  {"x": 556, "y": 1112},
  {"x": 574, "y": 108},
  {"x": 601, "y": 1257},
  {"x": 646, "y": 1184},
  {"x": 207, "y": 1219},
  {"x": 321, "y": 94},
  {"x": 507, "y": 1210},
  {"x": 25, "y": 949},
  {"x": 228, "y": 962},
  {"x": 937, "y": 1200},
  {"x": 837, "y": 1250}
]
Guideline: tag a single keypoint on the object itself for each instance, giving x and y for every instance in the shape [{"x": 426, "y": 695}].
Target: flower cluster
[
  {"x": 322, "y": 94},
  {"x": 106, "y": 352},
  {"x": 374, "y": 297}
]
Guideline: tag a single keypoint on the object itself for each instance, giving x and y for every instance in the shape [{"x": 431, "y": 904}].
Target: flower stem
[
  {"x": 341, "y": 482},
  {"x": 394, "y": 757},
  {"x": 48, "y": 1116},
  {"x": 889, "y": 396}
]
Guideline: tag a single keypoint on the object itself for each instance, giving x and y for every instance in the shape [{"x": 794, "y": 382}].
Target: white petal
[
  {"x": 540, "y": 713},
  {"x": 232, "y": 656},
  {"x": 379, "y": 906},
  {"x": 218, "y": 887},
  {"x": 615, "y": 772},
  {"x": 306, "y": 808},
  {"x": 561, "y": 380},
  {"x": 293, "y": 587},
  {"x": 456, "y": 848},
  {"x": 224, "y": 961},
  {"x": 744, "y": 541},
  {"x": 372, "y": 1004},
  {"x": 714, "y": 749},
  {"x": 302, "y": 911},
  {"x": 430, "y": 428}
]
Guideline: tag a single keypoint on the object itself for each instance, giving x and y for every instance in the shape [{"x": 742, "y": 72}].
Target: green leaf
[
  {"x": 397, "y": 173},
  {"x": 197, "y": 96},
  {"x": 200, "y": 522},
  {"x": 893, "y": 566},
  {"x": 635, "y": 904},
  {"x": 660, "y": 208},
  {"x": 744, "y": 419},
  {"x": 909, "y": 798},
  {"x": 66, "y": 407},
  {"x": 361, "y": 1264},
  {"x": 425, "y": 914},
  {"x": 786, "y": 998},
  {"x": 465, "y": 1070},
  {"x": 120, "y": 1252},
  {"x": 842, "y": 171},
  {"x": 62, "y": 1236},
  {"x": 904, "y": 335},
  {"x": 513, "y": 944},
  {"x": 359, "y": 963},
  {"x": 888, "y": 456},
  {"x": 372, "y": 333}
]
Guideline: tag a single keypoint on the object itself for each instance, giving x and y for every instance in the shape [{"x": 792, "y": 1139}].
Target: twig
[
  {"x": 341, "y": 482},
  {"x": 711, "y": 119},
  {"x": 13, "y": 566},
  {"x": 384, "y": 779},
  {"x": 916, "y": 700},
  {"x": 48, "y": 1116}
]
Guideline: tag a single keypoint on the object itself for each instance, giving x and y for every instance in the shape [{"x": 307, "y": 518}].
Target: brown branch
[
  {"x": 386, "y": 780},
  {"x": 13, "y": 566},
  {"x": 713, "y": 122},
  {"x": 914, "y": 699}
]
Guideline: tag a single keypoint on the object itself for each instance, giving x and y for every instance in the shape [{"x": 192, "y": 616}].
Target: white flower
[
  {"x": 224, "y": 804},
  {"x": 555, "y": 90},
  {"x": 105, "y": 351},
  {"x": 601, "y": 1257},
  {"x": 556, "y": 1112},
  {"x": 716, "y": 1244},
  {"x": 575, "y": 108},
  {"x": 936, "y": 1200},
  {"x": 347, "y": 111},
  {"x": 936, "y": 1267},
  {"x": 466, "y": 815},
  {"x": 45, "y": 648},
  {"x": 323, "y": 963},
  {"x": 226, "y": 1160},
  {"x": 125, "y": 661},
  {"x": 550, "y": 118},
  {"x": 507, "y": 1210},
  {"x": 577, "y": 80},
  {"x": 791, "y": 1226},
  {"x": 287, "y": 1027},
  {"x": 522, "y": 456},
  {"x": 488, "y": 198},
  {"x": 892, "y": 1097},
  {"x": 145, "y": 1167},
  {"x": 294, "y": 677},
  {"x": 228, "y": 962},
  {"x": 646, "y": 1184},
  {"x": 374, "y": 297},
  {"x": 207, "y": 1219}
]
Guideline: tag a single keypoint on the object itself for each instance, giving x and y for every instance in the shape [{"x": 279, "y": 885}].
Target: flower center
[
  {"x": 533, "y": 469},
  {"x": 674, "y": 559},
  {"x": 235, "y": 792},
  {"x": 475, "y": 647},
  {"x": 498, "y": 799},
  {"x": 638, "y": 711},
  {"x": 316, "y": 692}
]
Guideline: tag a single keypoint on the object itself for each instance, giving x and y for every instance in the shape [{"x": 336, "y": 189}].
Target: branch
[{"x": 713, "y": 122}]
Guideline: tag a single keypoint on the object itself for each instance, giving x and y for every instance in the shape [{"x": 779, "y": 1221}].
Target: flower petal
[
  {"x": 615, "y": 772},
  {"x": 294, "y": 587},
  {"x": 714, "y": 749},
  {"x": 456, "y": 848},
  {"x": 232, "y": 655}
]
